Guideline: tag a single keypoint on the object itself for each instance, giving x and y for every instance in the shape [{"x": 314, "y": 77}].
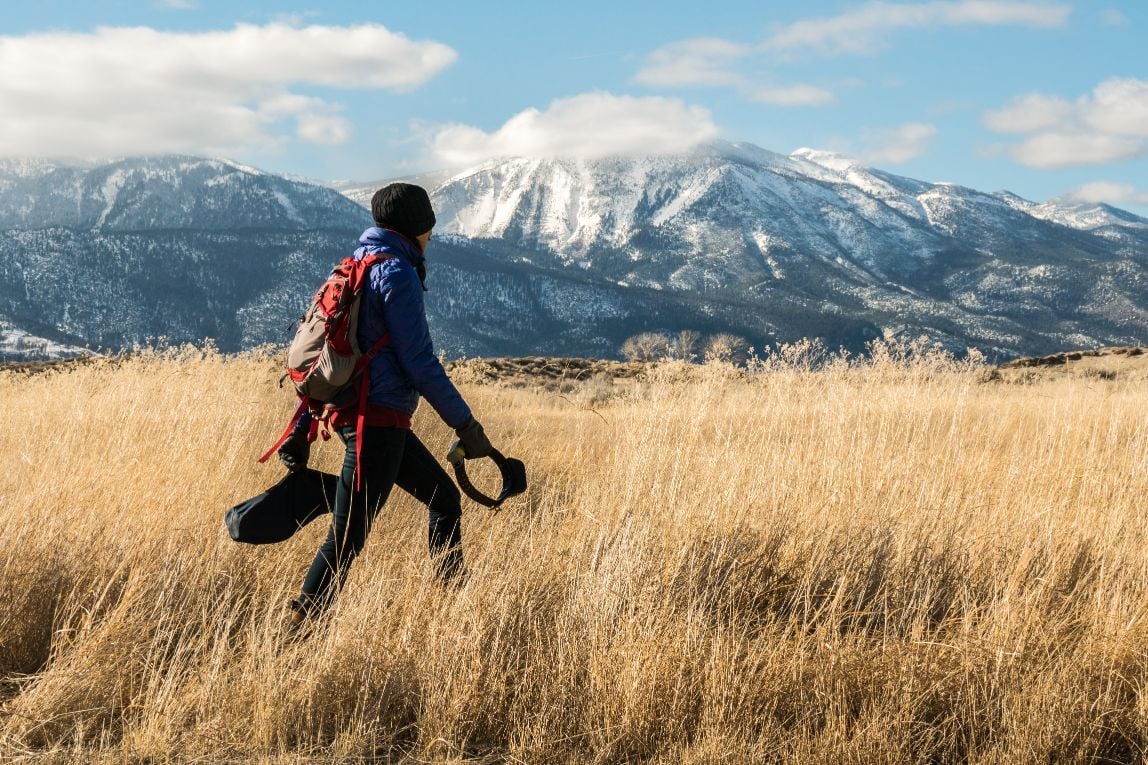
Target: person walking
[{"x": 404, "y": 370}]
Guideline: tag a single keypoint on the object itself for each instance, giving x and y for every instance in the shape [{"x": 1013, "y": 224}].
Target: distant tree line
[{"x": 687, "y": 345}]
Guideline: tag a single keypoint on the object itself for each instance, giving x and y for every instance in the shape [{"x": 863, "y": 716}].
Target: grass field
[{"x": 906, "y": 560}]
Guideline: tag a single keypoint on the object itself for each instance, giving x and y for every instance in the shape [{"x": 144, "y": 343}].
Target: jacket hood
[{"x": 377, "y": 239}]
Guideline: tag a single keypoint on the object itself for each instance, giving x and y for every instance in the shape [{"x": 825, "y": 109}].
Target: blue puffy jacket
[{"x": 393, "y": 302}]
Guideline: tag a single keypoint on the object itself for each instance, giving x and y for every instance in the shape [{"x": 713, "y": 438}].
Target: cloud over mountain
[
  {"x": 590, "y": 125},
  {"x": 1110, "y": 193},
  {"x": 898, "y": 145}
]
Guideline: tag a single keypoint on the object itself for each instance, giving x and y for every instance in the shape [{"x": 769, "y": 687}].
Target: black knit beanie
[{"x": 403, "y": 207}]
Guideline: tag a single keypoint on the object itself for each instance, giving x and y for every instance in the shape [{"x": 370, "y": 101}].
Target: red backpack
[{"x": 324, "y": 361}]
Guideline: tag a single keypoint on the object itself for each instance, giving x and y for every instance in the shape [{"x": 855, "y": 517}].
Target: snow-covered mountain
[
  {"x": 728, "y": 204},
  {"x": 179, "y": 247},
  {"x": 108, "y": 256},
  {"x": 161, "y": 193},
  {"x": 571, "y": 257},
  {"x": 811, "y": 239}
]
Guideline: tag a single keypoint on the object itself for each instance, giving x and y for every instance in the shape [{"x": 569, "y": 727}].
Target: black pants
[{"x": 389, "y": 456}]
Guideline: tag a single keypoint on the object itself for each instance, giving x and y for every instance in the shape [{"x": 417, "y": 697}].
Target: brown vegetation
[{"x": 907, "y": 559}]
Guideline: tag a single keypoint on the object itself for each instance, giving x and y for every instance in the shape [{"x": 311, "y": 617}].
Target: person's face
[{"x": 423, "y": 239}]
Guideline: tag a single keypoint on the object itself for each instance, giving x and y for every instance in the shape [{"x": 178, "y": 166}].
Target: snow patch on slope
[
  {"x": 110, "y": 191},
  {"x": 18, "y": 345},
  {"x": 288, "y": 206}
]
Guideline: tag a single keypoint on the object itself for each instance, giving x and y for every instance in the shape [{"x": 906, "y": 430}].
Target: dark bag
[{"x": 276, "y": 514}]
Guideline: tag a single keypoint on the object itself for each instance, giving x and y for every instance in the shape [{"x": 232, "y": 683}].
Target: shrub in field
[
  {"x": 725, "y": 348},
  {"x": 646, "y": 346}
]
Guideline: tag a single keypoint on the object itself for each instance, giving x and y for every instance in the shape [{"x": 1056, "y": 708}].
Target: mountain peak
[
  {"x": 163, "y": 192},
  {"x": 830, "y": 160}
]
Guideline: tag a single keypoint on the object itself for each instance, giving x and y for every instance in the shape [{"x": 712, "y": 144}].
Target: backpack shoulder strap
[{"x": 363, "y": 266}]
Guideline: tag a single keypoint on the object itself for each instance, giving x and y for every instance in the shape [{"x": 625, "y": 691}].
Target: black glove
[
  {"x": 474, "y": 441},
  {"x": 295, "y": 451}
]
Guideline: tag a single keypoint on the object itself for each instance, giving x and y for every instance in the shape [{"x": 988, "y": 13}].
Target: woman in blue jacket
[{"x": 402, "y": 372}]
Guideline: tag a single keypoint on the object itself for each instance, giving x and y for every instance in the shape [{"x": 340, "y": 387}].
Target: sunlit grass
[{"x": 896, "y": 561}]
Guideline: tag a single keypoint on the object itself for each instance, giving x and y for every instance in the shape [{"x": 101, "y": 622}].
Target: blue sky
[{"x": 1041, "y": 98}]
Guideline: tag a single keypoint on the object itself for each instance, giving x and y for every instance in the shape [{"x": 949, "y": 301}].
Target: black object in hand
[
  {"x": 475, "y": 444},
  {"x": 295, "y": 452}
]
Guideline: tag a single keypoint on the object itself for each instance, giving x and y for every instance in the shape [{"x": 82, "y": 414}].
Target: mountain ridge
[
  {"x": 938, "y": 258},
  {"x": 570, "y": 257}
]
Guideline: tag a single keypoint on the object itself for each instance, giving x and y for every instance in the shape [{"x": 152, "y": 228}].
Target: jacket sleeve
[
  {"x": 406, "y": 320},
  {"x": 303, "y": 424}
]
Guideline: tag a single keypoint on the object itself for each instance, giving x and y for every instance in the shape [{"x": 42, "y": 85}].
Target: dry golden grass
[{"x": 901, "y": 561}]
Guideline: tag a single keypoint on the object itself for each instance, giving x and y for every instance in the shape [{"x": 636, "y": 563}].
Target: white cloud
[
  {"x": 316, "y": 120},
  {"x": 135, "y": 90},
  {"x": 861, "y": 30},
  {"x": 1118, "y": 106},
  {"x": 589, "y": 125},
  {"x": 1029, "y": 114},
  {"x": 710, "y": 61},
  {"x": 1107, "y": 125},
  {"x": 899, "y": 145},
  {"x": 794, "y": 95},
  {"x": 701, "y": 61},
  {"x": 1111, "y": 193},
  {"x": 1050, "y": 151}
]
